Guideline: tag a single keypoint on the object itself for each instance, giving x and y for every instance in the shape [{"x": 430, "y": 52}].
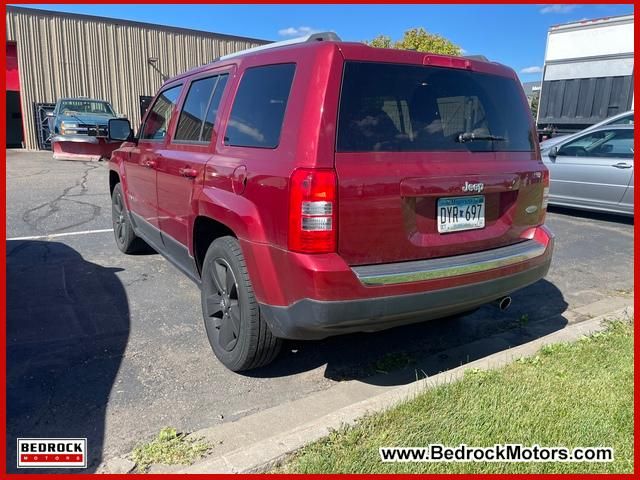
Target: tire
[
  {"x": 126, "y": 239},
  {"x": 238, "y": 335}
]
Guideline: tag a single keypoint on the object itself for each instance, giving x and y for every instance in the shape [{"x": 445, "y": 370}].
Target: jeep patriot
[{"x": 316, "y": 187}]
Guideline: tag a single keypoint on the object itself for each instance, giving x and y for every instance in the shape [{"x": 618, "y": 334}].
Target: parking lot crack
[{"x": 36, "y": 216}]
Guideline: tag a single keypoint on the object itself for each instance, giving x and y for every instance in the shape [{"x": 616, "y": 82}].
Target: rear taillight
[
  {"x": 545, "y": 193},
  {"x": 312, "y": 211}
]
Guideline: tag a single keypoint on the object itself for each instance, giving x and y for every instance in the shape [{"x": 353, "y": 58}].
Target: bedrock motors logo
[{"x": 52, "y": 453}]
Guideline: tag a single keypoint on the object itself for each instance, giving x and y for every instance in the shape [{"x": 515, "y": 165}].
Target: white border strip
[{"x": 67, "y": 234}]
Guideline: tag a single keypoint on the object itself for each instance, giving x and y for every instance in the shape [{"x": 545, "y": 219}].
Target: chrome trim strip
[{"x": 416, "y": 271}]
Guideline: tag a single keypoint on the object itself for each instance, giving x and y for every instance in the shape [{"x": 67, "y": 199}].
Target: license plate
[{"x": 460, "y": 213}]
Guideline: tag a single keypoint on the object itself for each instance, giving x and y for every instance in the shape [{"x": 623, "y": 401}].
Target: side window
[
  {"x": 157, "y": 122},
  {"x": 626, "y": 120},
  {"x": 259, "y": 107},
  {"x": 603, "y": 143},
  {"x": 199, "y": 110},
  {"x": 578, "y": 147},
  {"x": 620, "y": 145}
]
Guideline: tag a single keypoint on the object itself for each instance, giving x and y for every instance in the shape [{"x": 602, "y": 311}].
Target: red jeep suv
[{"x": 317, "y": 187}]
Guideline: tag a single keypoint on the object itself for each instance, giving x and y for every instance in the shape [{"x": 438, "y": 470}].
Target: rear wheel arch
[{"x": 205, "y": 231}]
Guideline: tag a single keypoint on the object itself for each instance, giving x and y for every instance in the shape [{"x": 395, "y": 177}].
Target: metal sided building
[
  {"x": 588, "y": 73},
  {"x": 53, "y": 54}
]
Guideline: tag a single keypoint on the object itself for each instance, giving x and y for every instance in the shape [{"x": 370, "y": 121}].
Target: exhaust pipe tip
[{"x": 503, "y": 303}]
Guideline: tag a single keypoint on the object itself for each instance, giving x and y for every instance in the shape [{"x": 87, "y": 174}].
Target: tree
[
  {"x": 534, "y": 106},
  {"x": 418, "y": 39},
  {"x": 381, "y": 41}
]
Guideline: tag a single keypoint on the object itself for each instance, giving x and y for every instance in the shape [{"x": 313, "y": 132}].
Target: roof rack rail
[{"x": 313, "y": 37}]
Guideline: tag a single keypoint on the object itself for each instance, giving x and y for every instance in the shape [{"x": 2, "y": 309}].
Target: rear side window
[
  {"x": 214, "y": 105},
  {"x": 624, "y": 120},
  {"x": 258, "y": 109},
  {"x": 199, "y": 109},
  {"x": 406, "y": 108},
  {"x": 157, "y": 122}
]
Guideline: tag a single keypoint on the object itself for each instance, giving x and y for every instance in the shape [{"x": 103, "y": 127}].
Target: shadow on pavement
[
  {"x": 399, "y": 355},
  {"x": 67, "y": 329},
  {"x": 601, "y": 216}
]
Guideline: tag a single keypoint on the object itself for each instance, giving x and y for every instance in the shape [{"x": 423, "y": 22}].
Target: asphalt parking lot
[{"x": 112, "y": 347}]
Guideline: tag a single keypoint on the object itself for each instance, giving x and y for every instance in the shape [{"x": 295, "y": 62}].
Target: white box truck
[{"x": 588, "y": 74}]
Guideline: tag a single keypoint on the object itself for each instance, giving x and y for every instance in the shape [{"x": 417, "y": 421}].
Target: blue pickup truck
[{"x": 79, "y": 129}]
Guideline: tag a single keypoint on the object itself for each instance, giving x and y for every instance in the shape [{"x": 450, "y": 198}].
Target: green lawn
[{"x": 578, "y": 394}]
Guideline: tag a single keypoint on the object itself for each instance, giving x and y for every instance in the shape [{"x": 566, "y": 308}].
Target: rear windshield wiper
[{"x": 470, "y": 137}]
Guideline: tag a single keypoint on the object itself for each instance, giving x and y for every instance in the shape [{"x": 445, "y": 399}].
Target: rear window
[
  {"x": 406, "y": 108},
  {"x": 258, "y": 109}
]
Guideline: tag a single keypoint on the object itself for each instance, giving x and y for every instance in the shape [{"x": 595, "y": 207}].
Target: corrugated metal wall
[
  {"x": 580, "y": 102},
  {"x": 73, "y": 55}
]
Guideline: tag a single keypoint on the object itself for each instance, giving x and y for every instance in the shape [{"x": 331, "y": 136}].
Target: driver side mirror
[
  {"x": 553, "y": 152},
  {"x": 120, "y": 130}
]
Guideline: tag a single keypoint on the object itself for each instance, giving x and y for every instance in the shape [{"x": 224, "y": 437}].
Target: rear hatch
[{"x": 433, "y": 162}]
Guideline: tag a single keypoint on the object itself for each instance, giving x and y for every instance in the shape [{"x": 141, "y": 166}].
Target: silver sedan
[
  {"x": 593, "y": 170},
  {"x": 624, "y": 118}
]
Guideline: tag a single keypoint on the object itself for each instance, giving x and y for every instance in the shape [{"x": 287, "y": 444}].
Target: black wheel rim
[
  {"x": 119, "y": 220},
  {"x": 222, "y": 306}
]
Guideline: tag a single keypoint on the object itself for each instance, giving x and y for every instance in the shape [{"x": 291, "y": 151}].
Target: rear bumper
[
  {"x": 312, "y": 319},
  {"x": 385, "y": 296}
]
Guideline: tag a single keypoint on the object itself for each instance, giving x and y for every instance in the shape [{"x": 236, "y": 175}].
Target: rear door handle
[
  {"x": 622, "y": 165},
  {"x": 150, "y": 164},
  {"x": 188, "y": 172}
]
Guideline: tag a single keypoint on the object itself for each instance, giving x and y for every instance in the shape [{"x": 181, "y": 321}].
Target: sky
[{"x": 511, "y": 34}]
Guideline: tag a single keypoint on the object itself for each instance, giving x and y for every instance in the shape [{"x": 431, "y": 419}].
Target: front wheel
[
  {"x": 126, "y": 239},
  {"x": 238, "y": 335}
]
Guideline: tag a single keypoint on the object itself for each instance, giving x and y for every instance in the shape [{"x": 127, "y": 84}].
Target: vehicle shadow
[
  {"x": 67, "y": 329},
  {"x": 400, "y": 355},
  {"x": 587, "y": 214}
]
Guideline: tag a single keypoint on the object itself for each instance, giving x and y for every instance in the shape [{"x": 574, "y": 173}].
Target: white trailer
[{"x": 588, "y": 73}]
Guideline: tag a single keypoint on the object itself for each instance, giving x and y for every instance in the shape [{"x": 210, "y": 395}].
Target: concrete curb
[{"x": 264, "y": 453}]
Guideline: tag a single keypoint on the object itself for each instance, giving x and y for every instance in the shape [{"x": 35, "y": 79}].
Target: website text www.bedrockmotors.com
[{"x": 495, "y": 453}]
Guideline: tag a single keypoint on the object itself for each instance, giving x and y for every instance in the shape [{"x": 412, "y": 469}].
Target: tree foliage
[
  {"x": 381, "y": 41},
  {"x": 418, "y": 39},
  {"x": 534, "y": 106}
]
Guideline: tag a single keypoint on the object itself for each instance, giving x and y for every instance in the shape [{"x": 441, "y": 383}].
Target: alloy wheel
[
  {"x": 119, "y": 219},
  {"x": 222, "y": 304}
]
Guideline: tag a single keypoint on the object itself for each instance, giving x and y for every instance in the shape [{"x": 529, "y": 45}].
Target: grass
[
  {"x": 168, "y": 447},
  {"x": 578, "y": 394}
]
